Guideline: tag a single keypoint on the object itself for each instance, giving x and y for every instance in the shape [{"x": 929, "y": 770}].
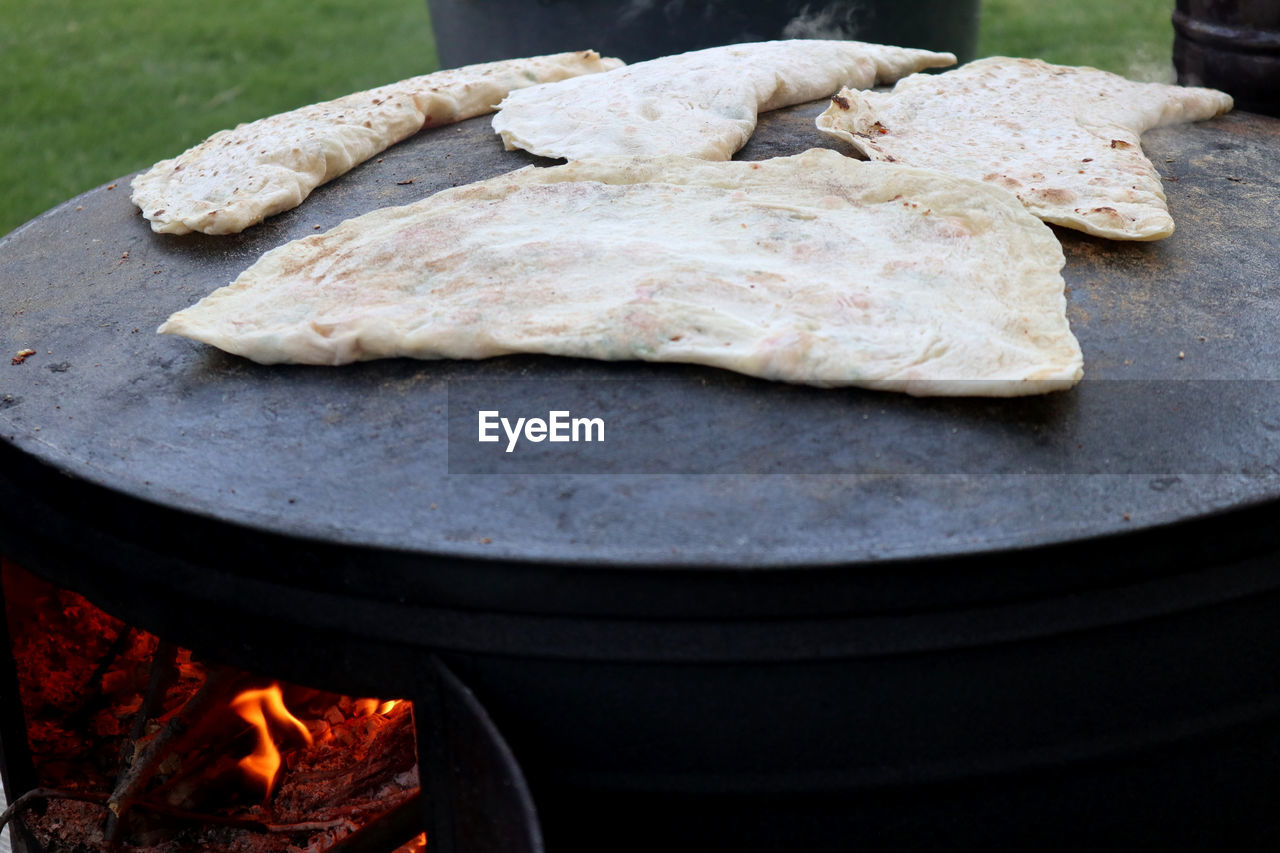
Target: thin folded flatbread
[
  {"x": 1063, "y": 139},
  {"x": 236, "y": 178},
  {"x": 700, "y": 104},
  {"x": 816, "y": 269}
]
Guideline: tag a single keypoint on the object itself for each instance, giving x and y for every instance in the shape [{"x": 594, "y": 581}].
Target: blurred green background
[{"x": 96, "y": 89}]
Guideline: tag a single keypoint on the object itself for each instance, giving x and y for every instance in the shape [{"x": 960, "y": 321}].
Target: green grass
[
  {"x": 94, "y": 89},
  {"x": 1129, "y": 37},
  {"x": 91, "y": 90}
]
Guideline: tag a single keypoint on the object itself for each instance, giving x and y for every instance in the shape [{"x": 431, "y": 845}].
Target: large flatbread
[
  {"x": 815, "y": 269},
  {"x": 1064, "y": 140},
  {"x": 701, "y": 104},
  {"x": 237, "y": 178}
]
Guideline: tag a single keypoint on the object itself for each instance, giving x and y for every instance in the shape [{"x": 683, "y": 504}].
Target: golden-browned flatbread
[
  {"x": 700, "y": 104},
  {"x": 1064, "y": 140},
  {"x": 237, "y": 178},
  {"x": 815, "y": 269}
]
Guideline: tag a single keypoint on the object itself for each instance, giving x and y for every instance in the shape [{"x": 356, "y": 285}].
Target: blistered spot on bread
[
  {"x": 1109, "y": 215},
  {"x": 1053, "y": 195},
  {"x": 1004, "y": 181}
]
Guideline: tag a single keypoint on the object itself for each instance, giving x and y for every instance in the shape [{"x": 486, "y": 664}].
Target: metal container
[
  {"x": 1232, "y": 45},
  {"x": 470, "y": 31},
  {"x": 774, "y": 618}
]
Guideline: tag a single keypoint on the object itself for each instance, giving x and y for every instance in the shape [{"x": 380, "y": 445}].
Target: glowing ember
[
  {"x": 366, "y": 707},
  {"x": 263, "y": 709}
]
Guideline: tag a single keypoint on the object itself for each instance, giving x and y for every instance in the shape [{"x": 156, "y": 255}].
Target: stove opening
[{"x": 137, "y": 744}]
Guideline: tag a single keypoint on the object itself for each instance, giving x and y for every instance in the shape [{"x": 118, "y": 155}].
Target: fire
[
  {"x": 366, "y": 707},
  {"x": 263, "y": 709}
]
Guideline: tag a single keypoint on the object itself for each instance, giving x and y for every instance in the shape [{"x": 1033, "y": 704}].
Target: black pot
[
  {"x": 1232, "y": 45},
  {"x": 470, "y": 31}
]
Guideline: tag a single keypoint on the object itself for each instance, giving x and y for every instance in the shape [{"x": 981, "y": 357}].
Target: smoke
[
  {"x": 1151, "y": 67},
  {"x": 633, "y": 10},
  {"x": 671, "y": 10},
  {"x": 687, "y": 24},
  {"x": 833, "y": 21}
]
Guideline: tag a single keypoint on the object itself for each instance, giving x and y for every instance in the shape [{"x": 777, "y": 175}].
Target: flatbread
[
  {"x": 1064, "y": 140},
  {"x": 236, "y": 178},
  {"x": 815, "y": 269},
  {"x": 699, "y": 104}
]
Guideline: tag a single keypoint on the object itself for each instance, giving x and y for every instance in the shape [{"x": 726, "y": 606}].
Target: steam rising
[
  {"x": 671, "y": 10},
  {"x": 829, "y": 20},
  {"x": 832, "y": 21},
  {"x": 634, "y": 10}
]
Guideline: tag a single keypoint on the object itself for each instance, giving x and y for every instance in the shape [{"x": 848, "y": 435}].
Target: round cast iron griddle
[{"x": 1178, "y": 420}]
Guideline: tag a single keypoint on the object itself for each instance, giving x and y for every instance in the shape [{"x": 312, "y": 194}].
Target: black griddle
[
  {"x": 752, "y": 591},
  {"x": 1175, "y": 419}
]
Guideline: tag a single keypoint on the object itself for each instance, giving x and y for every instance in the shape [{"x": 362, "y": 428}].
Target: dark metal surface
[
  {"x": 17, "y": 773},
  {"x": 476, "y": 794},
  {"x": 889, "y": 619},
  {"x": 1179, "y": 416},
  {"x": 1233, "y": 45}
]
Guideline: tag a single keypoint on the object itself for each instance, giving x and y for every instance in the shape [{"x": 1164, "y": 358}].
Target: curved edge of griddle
[{"x": 187, "y": 576}]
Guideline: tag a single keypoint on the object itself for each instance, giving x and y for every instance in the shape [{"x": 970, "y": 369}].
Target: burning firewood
[
  {"x": 180, "y": 756},
  {"x": 217, "y": 686}
]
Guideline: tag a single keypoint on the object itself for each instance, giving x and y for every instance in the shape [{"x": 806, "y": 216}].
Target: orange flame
[
  {"x": 366, "y": 707},
  {"x": 260, "y": 709}
]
